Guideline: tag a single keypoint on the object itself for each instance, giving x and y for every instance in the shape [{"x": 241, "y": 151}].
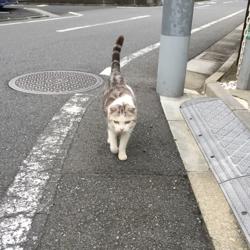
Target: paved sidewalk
[
  {"x": 143, "y": 203},
  {"x": 220, "y": 127}
]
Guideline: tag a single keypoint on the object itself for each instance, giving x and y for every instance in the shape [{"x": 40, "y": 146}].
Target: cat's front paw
[
  {"x": 113, "y": 149},
  {"x": 122, "y": 156}
]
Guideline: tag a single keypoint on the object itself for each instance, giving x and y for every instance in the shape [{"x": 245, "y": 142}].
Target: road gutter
[{"x": 217, "y": 215}]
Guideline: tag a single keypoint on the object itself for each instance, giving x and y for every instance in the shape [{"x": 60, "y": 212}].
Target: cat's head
[{"x": 122, "y": 118}]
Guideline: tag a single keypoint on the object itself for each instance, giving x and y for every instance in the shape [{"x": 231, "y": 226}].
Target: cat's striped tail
[{"x": 115, "y": 66}]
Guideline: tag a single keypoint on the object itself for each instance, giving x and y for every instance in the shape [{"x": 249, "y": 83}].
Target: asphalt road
[
  {"x": 30, "y": 11},
  {"x": 37, "y": 46},
  {"x": 13, "y": 13}
]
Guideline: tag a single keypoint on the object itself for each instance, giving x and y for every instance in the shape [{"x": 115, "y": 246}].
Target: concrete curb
[
  {"x": 216, "y": 212},
  {"x": 212, "y": 61},
  {"x": 221, "y": 224},
  {"x": 214, "y": 89},
  {"x": 222, "y": 70}
]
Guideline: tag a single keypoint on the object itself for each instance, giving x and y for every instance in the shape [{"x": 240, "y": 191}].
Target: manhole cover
[{"x": 55, "y": 82}]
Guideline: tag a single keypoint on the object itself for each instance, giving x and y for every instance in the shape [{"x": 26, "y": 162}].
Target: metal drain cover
[
  {"x": 225, "y": 142},
  {"x": 55, "y": 82}
]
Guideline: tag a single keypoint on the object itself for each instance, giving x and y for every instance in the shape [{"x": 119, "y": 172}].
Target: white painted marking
[
  {"x": 42, "y": 12},
  {"x": 22, "y": 199},
  {"x": 127, "y": 7},
  {"x": 200, "y": 3},
  {"x": 38, "y": 21},
  {"x": 125, "y": 60},
  {"x": 105, "y": 23},
  {"x": 205, "y": 3},
  {"x": 216, "y": 21},
  {"x": 75, "y": 13},
  {"x": 42, "y": 5},
  {"x": 4, "y": 12},
  {"x": 202, "y": 6}
]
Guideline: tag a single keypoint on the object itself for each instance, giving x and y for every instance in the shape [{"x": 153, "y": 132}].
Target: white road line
[
  {"x": 22, "y": 199},
  {"x": 105, "y": 23},
  {"x": 202, "y": 6},
  {"x": 42, "y": 12},
  {"x": 38, "y": 21},
  {"x": 217, "y": 21},
  {"x": 205, "y": 2},
  {"x": 125, "y": 60},
  {"x": 75, "y": 13},
  {"x": 42, "y": 5},
  {"x": 127, "y": 7},
  {"x": 200, "y": 3}
]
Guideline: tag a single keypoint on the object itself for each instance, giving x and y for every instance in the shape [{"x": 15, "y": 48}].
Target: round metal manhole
[{"x": 56, "y": 82}]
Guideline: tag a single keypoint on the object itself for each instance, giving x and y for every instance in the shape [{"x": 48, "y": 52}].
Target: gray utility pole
[
  {"x": 243, "y": 81},
  {"x": 175, "y": 35}
]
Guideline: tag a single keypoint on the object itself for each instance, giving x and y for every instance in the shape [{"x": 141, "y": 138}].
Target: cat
[{"x": 119, "y": 106}]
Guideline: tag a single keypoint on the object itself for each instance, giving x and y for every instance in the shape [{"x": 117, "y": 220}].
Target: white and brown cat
[{"x": 119, "y": 106}]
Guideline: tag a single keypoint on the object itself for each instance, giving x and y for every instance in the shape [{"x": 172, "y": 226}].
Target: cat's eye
[
  {"x": 127, "y": 122},
  {"x": 116, "y": 122}
]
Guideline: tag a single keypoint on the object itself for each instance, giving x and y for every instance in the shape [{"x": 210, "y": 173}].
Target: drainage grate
[
  {"x": 225, "y": 142},
  {"x": 56, "y": 82}
]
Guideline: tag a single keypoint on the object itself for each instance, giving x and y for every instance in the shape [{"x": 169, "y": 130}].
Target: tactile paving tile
[
  {"x": 225, "y": 142},
  {"x": 237, "y": 192}
]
